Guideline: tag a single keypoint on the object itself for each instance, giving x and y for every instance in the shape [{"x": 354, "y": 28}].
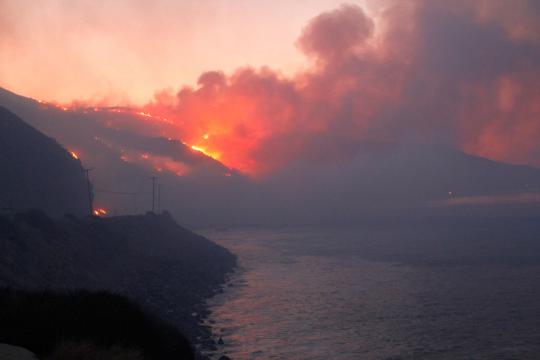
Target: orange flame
[
  {"x": 74, "y": 154},
  {"x": 100, "y": 212},
  {"x": 213, "y": 155}
]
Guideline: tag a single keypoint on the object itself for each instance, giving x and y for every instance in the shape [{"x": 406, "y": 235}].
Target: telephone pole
[
  {"x": 159, "y": 197},
  {"x": 89, "y": 189},
  {"x": 153, "y": 193}
]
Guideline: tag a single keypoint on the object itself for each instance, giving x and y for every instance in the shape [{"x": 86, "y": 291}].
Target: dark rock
[{"x": 10, "y": 352}]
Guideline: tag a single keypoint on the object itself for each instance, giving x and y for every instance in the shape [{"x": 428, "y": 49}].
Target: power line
[
  {"x": 133, "y": 196},
  {"x": 115, "y": 192}
]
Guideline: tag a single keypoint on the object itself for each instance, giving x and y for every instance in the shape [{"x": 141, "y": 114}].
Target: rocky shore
[{"x": 167, "y": 269}]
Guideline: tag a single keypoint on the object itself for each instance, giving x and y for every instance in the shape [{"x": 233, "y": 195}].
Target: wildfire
[
  {"x": 169, "y": 166},
  {"x": 74, "y": 154},
  {"x": 157, "y": 163},
  {"x": 145, "y": 114},
  {"x": 100, "y": 212},
  {"x": 213, "y": 155}
]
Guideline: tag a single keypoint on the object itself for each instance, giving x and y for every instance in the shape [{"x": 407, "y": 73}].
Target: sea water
[{"x": 403, "y": 292}]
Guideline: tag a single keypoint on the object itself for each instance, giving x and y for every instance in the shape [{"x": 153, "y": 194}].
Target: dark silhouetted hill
[
  {"x": 36, "y": 172},
  {"x": 380, "y": 182},
  {"x": 167, "y": 269},
  {"x": 376, "y": 181}
]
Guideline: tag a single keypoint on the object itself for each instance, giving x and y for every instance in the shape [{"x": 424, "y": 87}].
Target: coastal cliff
[{"x": 167, "y": 269}]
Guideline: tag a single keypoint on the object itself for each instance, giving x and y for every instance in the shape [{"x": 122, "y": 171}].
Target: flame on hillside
[
  {"x": 213, "y": 155},
  {"x": 100, "y": 212},
  {"x": 74, "y": 154}
]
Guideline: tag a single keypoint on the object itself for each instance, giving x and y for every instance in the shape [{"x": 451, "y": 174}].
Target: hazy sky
[
  {"x": 127, "y": 49},
  {"x": 460, "y": 73}
]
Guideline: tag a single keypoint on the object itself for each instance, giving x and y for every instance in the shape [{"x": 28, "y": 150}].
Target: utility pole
[
  {"x": 88, "y": 187},
  {"x": 159, "y": 197},
  {"x": 153, "y": 193}
]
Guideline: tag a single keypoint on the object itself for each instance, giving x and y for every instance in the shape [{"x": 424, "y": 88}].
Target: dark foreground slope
[
  {"x": 36, "y": 172},
  {"x": 86, "y": 325},
  {"x": 166, "y": 268}
]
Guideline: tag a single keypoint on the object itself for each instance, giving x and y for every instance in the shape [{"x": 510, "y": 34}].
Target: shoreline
[
  {"x": 216, "y": 350},
  {"x": 172, "y": 275}
]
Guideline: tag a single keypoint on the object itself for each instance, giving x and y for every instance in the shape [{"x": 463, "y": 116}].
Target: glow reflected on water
[{"x": 307, "y": 294}]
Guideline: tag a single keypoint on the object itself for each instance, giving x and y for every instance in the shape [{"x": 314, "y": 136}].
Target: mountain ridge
[
  {"x": 375, "y": 180},
  {"x": 38, "y": 172}
]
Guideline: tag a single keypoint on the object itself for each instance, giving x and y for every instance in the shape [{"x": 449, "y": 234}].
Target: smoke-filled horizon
[{"x": 462, "y": 74}]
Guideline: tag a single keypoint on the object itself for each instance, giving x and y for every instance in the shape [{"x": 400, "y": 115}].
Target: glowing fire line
[
  {"x": 100, "y": 212},
  {"x": 75, "y": 155},
  {"x": 214, "y": 156}
]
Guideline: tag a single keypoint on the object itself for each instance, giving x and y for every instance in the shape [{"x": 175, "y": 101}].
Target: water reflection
[{"x": 307, "y": 294}]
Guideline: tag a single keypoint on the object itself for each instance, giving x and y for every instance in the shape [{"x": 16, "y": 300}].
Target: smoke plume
[{"x": 463, "y": 74}]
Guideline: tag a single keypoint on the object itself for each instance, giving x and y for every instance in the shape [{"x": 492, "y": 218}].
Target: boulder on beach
[{"x": 10, "y": 352}]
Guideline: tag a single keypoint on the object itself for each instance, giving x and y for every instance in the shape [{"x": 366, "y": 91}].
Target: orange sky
[
  {"x": 269, "y": 83},
  {"x": 125, "y": 50}
]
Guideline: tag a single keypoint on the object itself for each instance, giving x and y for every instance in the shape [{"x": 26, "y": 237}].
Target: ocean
[{"x": 381, "y": 292}]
